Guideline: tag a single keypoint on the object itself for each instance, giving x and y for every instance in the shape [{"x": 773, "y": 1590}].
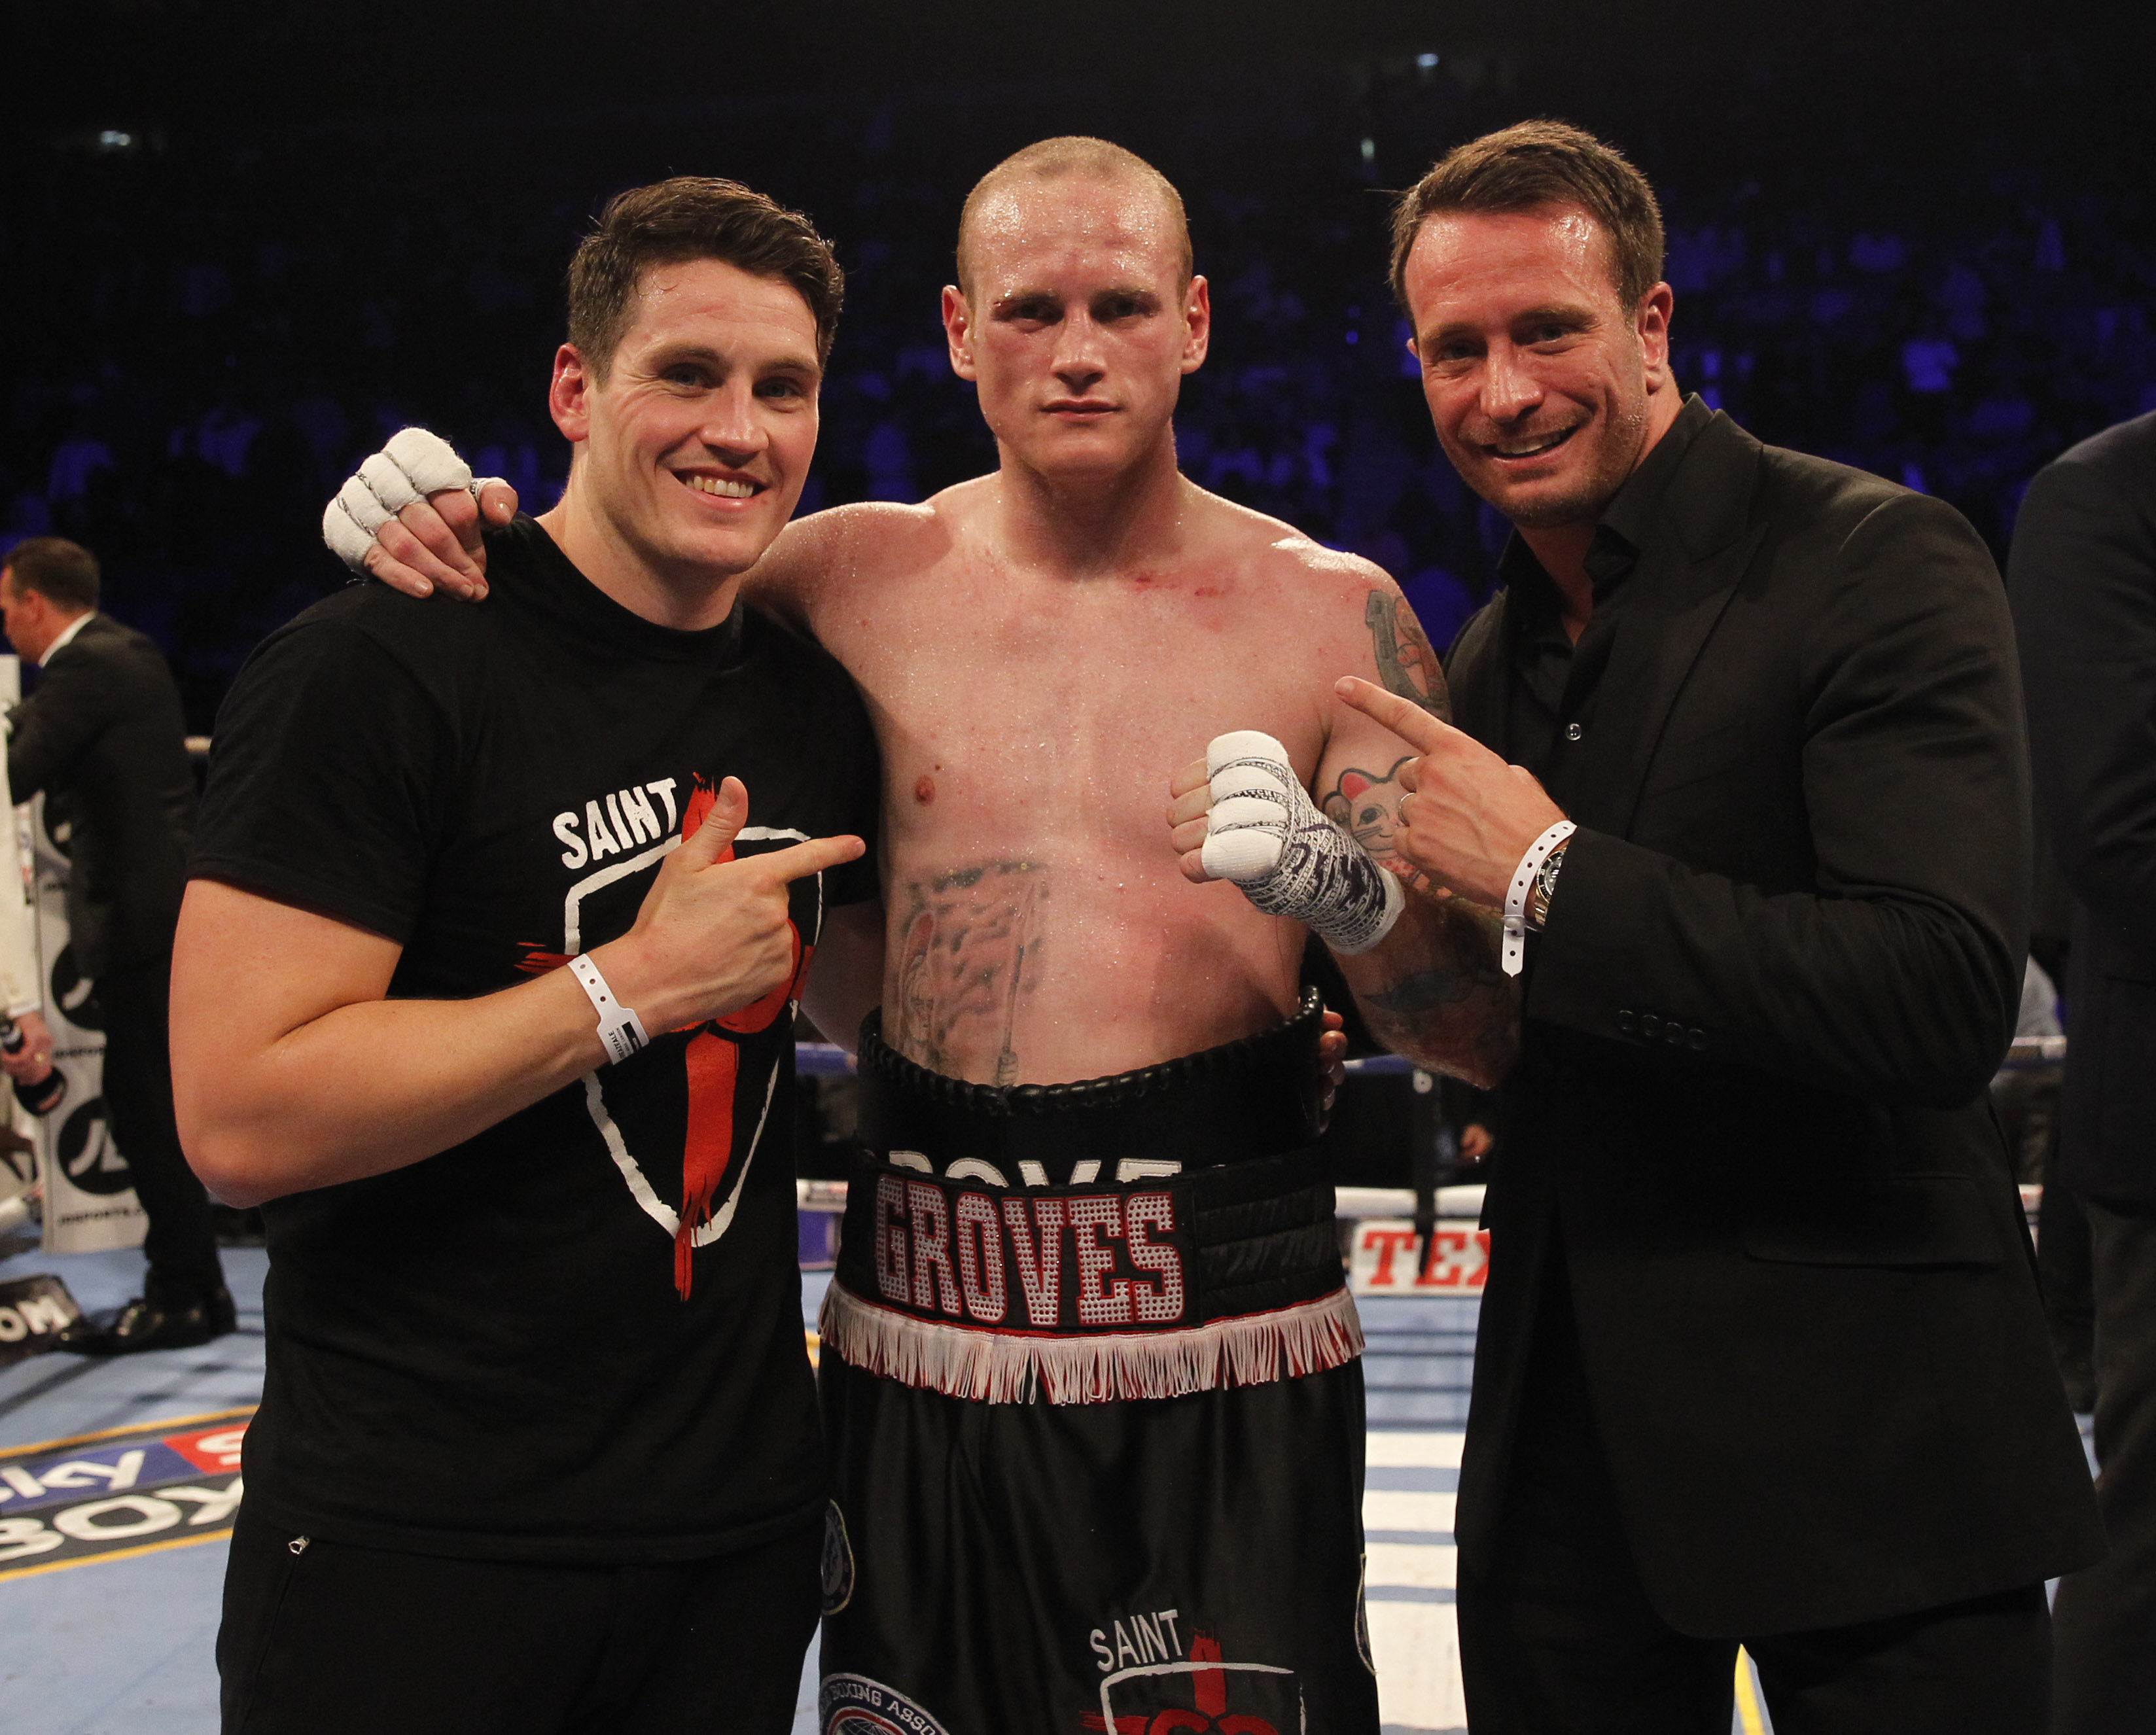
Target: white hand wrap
[
  {"x": 1262, "y": 834},
  {"x": 414, "y": 465}
]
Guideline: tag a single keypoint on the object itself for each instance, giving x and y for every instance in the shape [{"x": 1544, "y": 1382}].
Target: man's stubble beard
[{"x": 1585, "y": 502}]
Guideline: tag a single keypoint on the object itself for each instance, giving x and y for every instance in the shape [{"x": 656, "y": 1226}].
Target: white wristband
[
  {"x": 619, "y": 1029},
  {"x": 1513, "y": 955}
]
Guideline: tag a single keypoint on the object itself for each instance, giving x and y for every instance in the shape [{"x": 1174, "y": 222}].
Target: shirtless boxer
[{"x": 1090, "y": 1377}]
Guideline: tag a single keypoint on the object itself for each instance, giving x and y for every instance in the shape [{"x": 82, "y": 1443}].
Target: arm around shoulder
[{"x": 813, "y": 558}]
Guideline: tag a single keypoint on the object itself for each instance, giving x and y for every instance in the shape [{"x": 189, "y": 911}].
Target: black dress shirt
[{"x": 1554, "y": 680}]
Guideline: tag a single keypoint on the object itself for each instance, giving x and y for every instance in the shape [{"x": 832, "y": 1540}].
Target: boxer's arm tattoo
[
  {"x": 1428, "y": 991},
  {"x": 1451, "y": 1006},
  {"x": 965, "y": 947},
  {"x": 1365, "y": 804},
  {"x": 1406, "y": 664},
  {"x": 1436, "y": 991}
]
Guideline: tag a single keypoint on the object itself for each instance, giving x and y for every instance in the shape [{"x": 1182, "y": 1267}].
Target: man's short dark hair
[
  {"x": 1534, "y": 164},
  {"x": 694, "y": 216},
  {"x": 61, "y": 571}
]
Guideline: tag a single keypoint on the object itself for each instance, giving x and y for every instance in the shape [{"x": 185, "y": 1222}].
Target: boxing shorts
[{"x": 1091, "y": 1390}]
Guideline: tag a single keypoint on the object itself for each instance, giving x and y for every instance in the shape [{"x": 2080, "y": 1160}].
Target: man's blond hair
[{"x": 1091, "y": 158}]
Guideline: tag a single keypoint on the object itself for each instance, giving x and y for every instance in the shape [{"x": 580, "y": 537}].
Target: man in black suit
[
  {"x": 1761, "y": 1357},
  {"x": 104, "y": 731},
  {"x": 2083, "y": 580}
]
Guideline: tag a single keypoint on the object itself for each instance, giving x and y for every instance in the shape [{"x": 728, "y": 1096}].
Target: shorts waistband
[{"x": 1256, "y": 1096}]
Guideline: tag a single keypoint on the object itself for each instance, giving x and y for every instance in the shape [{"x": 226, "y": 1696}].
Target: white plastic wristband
[
  {"x": 619, "y": 1029},
  {"x": 1513, "y": 955}
]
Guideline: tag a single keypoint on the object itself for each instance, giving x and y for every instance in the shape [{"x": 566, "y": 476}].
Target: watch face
[{"x": 1545, "y": 883}]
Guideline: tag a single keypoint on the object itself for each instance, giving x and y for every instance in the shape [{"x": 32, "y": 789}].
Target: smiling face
[
  {"x": 1538, "y": 378},
  {"x": 692, "y": 449},
  {"x": 1077, "y": 324}
]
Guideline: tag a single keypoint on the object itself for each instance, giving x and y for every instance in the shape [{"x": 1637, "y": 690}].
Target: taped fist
[{"x": 1241, "y": 814}]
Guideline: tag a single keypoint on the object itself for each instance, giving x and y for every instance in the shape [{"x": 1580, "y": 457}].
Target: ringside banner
[
  {"x": 33, "y": 1312},
  {"x": 90, "y": 1193},
  {"x": 1382, "y": 1259},
  {"x": 66, "y": 1502}
]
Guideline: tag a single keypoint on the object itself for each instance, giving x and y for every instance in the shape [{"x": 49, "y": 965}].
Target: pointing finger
[
  {"x": 1193, "y": 776},
  {"x": 813, "y": 857},
  {"x": 1410, "y": 723}
]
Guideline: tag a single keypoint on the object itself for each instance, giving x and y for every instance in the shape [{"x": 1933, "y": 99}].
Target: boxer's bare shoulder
[
  {"x": 835, "y": 551},
  {"x": 1346, "y": 609}
]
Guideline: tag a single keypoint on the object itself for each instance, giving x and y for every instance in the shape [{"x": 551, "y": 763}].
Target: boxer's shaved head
[{"x": 1064, "y": 159}]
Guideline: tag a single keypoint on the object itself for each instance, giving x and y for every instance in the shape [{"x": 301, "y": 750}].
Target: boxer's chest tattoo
[{"x": 967, "y": 945}]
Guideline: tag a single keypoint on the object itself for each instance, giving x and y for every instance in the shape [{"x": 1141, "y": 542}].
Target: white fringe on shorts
[{"x": 1014, "y": 1367}]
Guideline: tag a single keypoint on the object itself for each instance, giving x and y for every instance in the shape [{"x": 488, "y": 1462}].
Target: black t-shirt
[{"x": 485, "y": 1353}]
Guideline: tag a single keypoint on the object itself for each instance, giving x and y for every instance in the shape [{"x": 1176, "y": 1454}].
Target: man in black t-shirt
[{"x": 482, "y": 990}]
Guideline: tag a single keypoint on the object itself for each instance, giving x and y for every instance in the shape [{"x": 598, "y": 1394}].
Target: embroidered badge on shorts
[
  {"x": 854, "y": 1704},
  {"x": 838, "y": 1561}
]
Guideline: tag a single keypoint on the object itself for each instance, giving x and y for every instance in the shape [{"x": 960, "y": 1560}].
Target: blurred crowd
[{"x": 222, "y": 326}]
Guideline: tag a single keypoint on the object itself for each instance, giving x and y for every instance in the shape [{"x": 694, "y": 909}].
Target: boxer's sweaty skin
[
  {"x": 1043, "y": 648},
  {"x": 1038, "y": 928}
]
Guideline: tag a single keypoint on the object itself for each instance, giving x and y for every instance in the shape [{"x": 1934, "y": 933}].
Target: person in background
[
  {"x": 26, "y": 1047},
  {"x": 104, "y": 731},
  {"x": 2082, "y": 579},
  {"x": 29, "y": 1060}
]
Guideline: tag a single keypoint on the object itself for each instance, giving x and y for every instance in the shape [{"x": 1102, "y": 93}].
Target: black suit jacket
[
  {"x": 1783, "y": 960},
  {"x": 2083, "y": 578},
  {"x": 103, "y": 732}
]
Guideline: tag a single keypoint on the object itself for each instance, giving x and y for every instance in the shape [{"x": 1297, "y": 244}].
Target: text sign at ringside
[
  {"x": 1383, "y": 1259},
  {"x": 33, "y": 1312},
  {"x": 63, "y": 1502}
]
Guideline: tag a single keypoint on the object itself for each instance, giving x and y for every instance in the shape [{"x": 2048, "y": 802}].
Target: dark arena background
[
  {"x": 238, "y": 255},
  {"x": 240, "y": 244}
]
